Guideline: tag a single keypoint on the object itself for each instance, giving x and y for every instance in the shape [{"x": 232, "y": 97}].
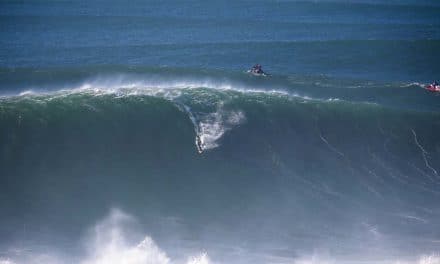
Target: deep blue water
[{"x": 360, "y": 39}]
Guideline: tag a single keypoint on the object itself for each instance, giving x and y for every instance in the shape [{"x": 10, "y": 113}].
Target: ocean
[{"x": 130, "y": 132}]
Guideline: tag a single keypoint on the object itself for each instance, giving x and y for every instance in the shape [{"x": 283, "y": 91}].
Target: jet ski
[
  {"x": 433, "y": 87},
  {"x": 257, "y": 71}
]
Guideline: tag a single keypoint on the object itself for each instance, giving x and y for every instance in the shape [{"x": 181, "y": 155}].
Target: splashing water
[{"x": 109, "y": 242}]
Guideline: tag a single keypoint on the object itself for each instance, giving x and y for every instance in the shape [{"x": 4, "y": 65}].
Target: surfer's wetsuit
[{"x": 199, "y": 144}]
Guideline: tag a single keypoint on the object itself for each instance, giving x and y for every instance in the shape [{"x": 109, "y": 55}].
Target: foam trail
[
  {"x": 424, "y": 152},
  {"x": 198, "y": 141},
  {"x": 330, "y": 146},
  {"x": 209, "y": 128},
  {"x": 415, "y": 218},
  {"x": 421, "y": 85},
  {"x": 214, "y": 125}
]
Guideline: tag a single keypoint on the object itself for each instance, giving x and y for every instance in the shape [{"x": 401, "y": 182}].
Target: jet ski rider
[{"x": 257, "y": 69}]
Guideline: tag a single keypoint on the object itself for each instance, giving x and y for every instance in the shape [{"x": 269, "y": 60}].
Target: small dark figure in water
[
  {"x": 199, "y": 144},
  {"x": 257, "y": 69},
  {"x": 435, "y": 83}
]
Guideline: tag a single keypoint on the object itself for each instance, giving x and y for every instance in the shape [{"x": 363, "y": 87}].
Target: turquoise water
[{"x": 131, "y": 132}]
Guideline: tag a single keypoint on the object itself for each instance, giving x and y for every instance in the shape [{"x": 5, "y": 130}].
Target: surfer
[{"x": 199, "y": 144}]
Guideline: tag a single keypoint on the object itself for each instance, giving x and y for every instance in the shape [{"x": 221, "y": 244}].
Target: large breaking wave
[{"x": 286, "y": 173}]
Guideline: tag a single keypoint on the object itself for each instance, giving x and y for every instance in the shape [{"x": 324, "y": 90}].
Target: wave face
[{"x": 282, "y": 175}]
